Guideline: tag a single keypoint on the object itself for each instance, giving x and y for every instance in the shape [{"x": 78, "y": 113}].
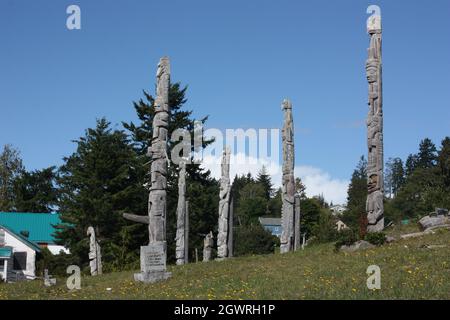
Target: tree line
[
  {"x": 107, "y": 175},
  {"x": 413, "y": 188}
]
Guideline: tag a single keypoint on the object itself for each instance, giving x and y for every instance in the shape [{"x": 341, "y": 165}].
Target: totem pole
[
  {"x": 181, "y": 236},
  {"x": 208, "y": 244},
  {"x": 153, "y": 256},
  {"x": 224, "y": 206},
  {"x": 290, "y": 225},
  {"x": 95, "y": 255},
  {"x": 375, "y": 187}
]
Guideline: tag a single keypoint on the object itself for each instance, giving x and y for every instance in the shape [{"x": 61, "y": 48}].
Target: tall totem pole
[
  {"x": 154, "y": 255},
  {"x": 375, "y": 187},
  {"x": 224, "y": 207},
  {"x": 182, "y": 218},
  {"x": 290, "y": 224}
]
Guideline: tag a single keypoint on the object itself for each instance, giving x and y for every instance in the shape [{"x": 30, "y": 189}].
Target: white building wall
[{"x": 19, "y": 246}]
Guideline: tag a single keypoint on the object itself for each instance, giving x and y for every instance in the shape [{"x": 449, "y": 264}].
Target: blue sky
[{"x": 239, "y": 58}]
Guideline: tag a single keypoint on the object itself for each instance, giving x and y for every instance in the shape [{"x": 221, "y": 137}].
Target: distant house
[
  {"x": 340, "y": 225},
  {"x": 338, "y": 209},
  {"x": 17, "y": 255},
  {"x": 273, "y": 225},
  {"x": 22, "y": 236},
  {"x": 36, "y": 227}
]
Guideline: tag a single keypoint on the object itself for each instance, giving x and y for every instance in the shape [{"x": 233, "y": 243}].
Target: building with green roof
[
  {"x": 36, "y": 227},
  {"x": 22, "y": 236}
]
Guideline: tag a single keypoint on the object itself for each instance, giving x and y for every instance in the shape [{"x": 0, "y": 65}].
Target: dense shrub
[
  {"x": 325, "y": 229},
  {"x": 253, "y": 239},
  {"x": 345, "y": 237},
  {"x": 56, "y": 264},
  {"x": 376, "y": 238}
]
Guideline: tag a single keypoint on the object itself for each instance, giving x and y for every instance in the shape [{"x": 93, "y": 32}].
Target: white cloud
[{"x": 317, "y": 181}]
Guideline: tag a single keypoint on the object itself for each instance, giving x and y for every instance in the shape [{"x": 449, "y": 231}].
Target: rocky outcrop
[
  {"x": 434, "y": 221},
  {"x": 358, "y": 245}
]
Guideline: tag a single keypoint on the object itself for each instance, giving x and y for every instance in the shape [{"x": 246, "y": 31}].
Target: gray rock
[
  {"x": 375, "y": 185},
  {"x": 359, "y": 245},
  {"x": 430, "y": 230},
  {"x": 432, "y": 221},
  {"x": 434, "y": 246},
  {"x": 390, "y": 239}
]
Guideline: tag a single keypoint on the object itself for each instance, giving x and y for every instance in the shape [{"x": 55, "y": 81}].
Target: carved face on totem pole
[
  {"x": 209, "y": 242},
  {"x": 286, "y": 105},
  {"x": 372, "y": 70},
  {"x": 374, "y": 207},
  {"x": 372, "y": 184},
  {"x": 161, "y": 88}
]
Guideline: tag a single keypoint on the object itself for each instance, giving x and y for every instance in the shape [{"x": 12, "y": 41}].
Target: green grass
[{"x": 408, "y": 271}]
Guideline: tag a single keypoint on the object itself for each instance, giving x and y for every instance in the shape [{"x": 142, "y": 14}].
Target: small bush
[
  {"x": 56, "y": 264},
  {"x": 376, "y": 238},
  {"x": 325, "y": 229},
  {"x": 253, "y": 239},
  {"x": 345, "y": 237}
]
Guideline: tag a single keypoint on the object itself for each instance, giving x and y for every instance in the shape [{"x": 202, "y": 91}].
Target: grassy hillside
[{"x": 408, "y": 271}]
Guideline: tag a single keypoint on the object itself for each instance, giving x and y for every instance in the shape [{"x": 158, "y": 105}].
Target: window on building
[{"x": 20, "y": 261}]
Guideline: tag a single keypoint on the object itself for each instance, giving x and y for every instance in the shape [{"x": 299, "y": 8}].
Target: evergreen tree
[
  {"x": 310, "y": 216},
  {"x": 325, "y": 228},
  {"x": 321, "y": 200},
  {"x": 426, "y": 158},
  {"x": 423, "y": 191},
  {"x": 252, "y": 203},
  {"x": 10, "y": 167},
  {"x": 411, "y": 164},
  {"x": 254, "y": 239},
  {"x": 99, "y": 182},
  {"x": 35, "y": 191},
  {"x": 388, "y": 178},
  {"x": 275, "y": 204},
  {"x": 357, "y": 195},
  {"x": 398, "y": 175},
  {"x": 238, "y": 184},
  {"x": 264, "y": 179},
  {"x": 444, "y": 161},
  {"x": 300, "y": 188}
]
